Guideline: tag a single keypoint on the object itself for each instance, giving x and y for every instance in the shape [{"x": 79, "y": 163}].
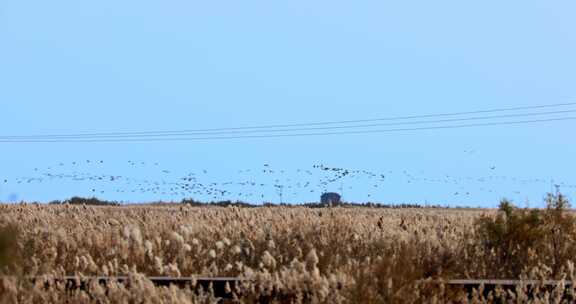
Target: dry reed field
[{"x": 285, "y": 254}]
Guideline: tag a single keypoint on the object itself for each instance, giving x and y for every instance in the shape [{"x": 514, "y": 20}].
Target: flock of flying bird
[
  {"x": 266, "y": 183},
  {"x": 273, "y": 182}
]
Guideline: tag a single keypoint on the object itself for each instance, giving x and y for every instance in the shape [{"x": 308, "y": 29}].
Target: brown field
[{"x": 336, "y": 255}]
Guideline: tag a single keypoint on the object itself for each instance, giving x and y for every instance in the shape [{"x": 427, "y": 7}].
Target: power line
[
  {"x": 286, "y": 135},
  {"x": 214, "y": 130},
  {"x": 298, "y": 129}
]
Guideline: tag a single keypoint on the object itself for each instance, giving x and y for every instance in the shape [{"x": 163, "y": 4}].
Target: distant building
[{"x": 330, "y": 199}]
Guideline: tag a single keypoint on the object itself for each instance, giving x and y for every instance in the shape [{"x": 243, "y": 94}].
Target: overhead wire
[
  {"x": 306, "y": 129},
  {"x": 310, "y": 126},
  {"x": 285, "y": 135}
]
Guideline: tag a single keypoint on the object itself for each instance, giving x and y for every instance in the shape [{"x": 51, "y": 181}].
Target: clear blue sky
[{"x": 100, "y": 66}]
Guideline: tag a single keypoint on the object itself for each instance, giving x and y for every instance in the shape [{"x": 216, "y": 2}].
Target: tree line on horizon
[{"x": 93, "y": 201}]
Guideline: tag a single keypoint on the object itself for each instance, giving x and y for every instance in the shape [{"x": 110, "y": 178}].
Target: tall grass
[{"x": 290, "y": 255}]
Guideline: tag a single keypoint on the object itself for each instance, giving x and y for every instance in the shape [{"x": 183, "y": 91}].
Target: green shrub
[{"x": 516, "y": 240}]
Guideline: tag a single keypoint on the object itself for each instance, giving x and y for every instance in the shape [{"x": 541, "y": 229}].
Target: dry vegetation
[{"x": 338, "y": 255}]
